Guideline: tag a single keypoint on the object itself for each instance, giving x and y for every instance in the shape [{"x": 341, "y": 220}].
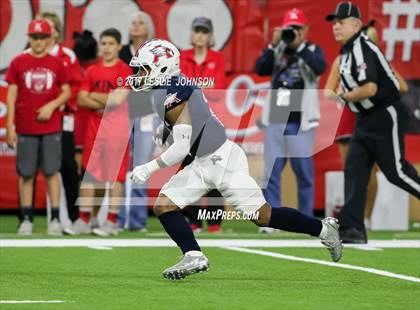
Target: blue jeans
[
  {"x": 280, "y": 143},
  {"x": 142, "y": 148}
]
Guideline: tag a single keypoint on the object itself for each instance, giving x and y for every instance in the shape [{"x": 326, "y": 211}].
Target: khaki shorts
[
  {"x": 226, "y": 170},
  {"x": 34, "y": 151}
]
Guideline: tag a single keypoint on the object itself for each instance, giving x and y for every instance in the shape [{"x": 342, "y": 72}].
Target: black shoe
[{"x": 352, "y": 235}]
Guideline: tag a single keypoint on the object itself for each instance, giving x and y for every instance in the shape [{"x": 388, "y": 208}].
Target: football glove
[{"x": 142, "y": 173}]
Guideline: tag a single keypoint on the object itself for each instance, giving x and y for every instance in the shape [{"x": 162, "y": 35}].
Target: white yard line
[
  {"x": 325, "y": 263},
  {"x": 260, "y": 243},
  {"x": 32, "y": 301},
  {"x": 99, "y": 247},
  {"x": 365, "y": 247}
]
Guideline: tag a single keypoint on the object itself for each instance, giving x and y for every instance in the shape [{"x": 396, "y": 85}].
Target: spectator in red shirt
[
  {"x": 38, "y": 87},
  {"x": 202, "y": 61},
  {"x": 68, "y": 165},
  {"x": 105, "y": 156}
]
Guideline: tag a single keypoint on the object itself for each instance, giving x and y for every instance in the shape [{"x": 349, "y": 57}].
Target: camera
[{"x": 289, "y": 34}]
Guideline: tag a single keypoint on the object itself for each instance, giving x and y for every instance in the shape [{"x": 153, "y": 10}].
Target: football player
[{"x": 209, "y": 161}]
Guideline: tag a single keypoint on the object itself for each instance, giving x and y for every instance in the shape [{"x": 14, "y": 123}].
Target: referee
[{"x": 371, "y": 90}]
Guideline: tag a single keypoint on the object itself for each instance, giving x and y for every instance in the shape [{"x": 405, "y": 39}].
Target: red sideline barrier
[{"x": 243, "y": 29}]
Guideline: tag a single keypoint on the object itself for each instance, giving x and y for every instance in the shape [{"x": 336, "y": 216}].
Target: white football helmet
[{"x": 156, "y": 61}]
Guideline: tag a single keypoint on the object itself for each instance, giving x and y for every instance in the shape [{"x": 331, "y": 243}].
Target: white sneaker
[
  {"x": 54, "y": 228},
  {"x": 267, "y": 230},
  {"x": 25, "y": 228},
  {"x": 78, "y": 228},
  {"x": 187, "y": 266},
  {"x": 94, "y": 222},
  {"x": 107, "y": 229}
]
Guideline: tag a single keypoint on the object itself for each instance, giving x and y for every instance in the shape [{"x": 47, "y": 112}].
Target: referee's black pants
[
  {"x": 378, "y": 137},
  {"x": 69, "y": 174}
]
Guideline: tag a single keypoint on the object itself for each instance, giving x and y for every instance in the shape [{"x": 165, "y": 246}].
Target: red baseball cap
[
  {"x": 40, "y": 26},
  {"x": 294, "y": 17}
]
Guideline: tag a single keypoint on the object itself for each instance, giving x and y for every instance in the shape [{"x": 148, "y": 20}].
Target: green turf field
[{"x": 130, "y": 277}]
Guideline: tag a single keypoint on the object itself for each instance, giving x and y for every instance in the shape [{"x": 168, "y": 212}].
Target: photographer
[{"x": 292, "y": 114}]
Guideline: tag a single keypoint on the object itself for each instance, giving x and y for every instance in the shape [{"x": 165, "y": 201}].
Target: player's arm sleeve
[
  {"x": 265, "y": 63},
  {"x": 314, "y": 57},
  {"x": 181, "y": 133},
  {"x": 180, "y": 148}
]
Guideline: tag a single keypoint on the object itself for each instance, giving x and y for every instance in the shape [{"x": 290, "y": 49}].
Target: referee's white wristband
[{"x": 152, "y": 166}]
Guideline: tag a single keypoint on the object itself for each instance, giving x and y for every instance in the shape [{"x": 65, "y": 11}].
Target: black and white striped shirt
[{"x": 361, "y": 62}]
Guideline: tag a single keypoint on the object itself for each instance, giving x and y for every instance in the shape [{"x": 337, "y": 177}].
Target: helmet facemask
[{"x": 140, "y": 80}]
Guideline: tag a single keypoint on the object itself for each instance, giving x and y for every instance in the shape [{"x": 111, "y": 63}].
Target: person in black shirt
[
  {"x": 141, "y": 30},
  {"x": 371, "y": 89}
]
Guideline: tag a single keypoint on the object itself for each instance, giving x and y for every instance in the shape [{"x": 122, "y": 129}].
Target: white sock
[
  {"x": 323, "y": 233},
  {"x": 194, "y": 253}
]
